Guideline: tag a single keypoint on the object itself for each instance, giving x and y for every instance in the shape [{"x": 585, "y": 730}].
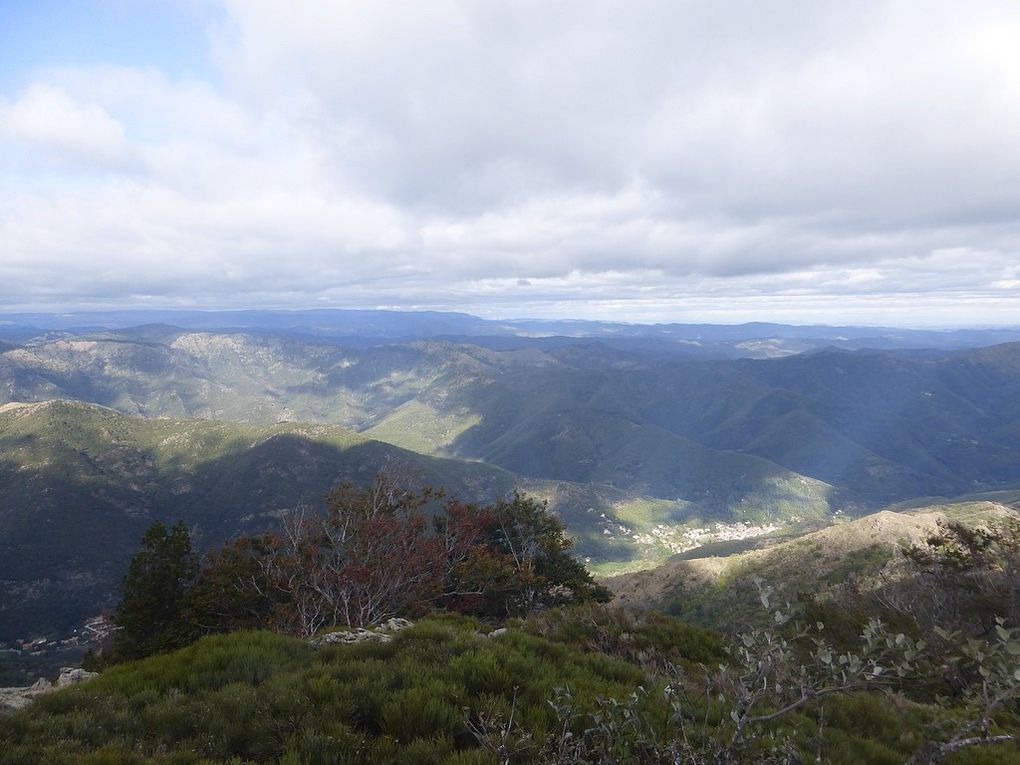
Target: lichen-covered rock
[
  {"x": 358, "y": 635},
  {"x": 13, "y": 698},
  {"x": 382, "y": 633},
  {"x": 394, "y": 625},
  {"x": 39, "y": 686}
]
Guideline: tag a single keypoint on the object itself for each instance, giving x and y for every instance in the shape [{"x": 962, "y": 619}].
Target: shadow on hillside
[{"x": 68, "y": 530}]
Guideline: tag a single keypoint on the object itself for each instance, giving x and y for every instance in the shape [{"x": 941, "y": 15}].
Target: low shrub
[{"x": 569, "y": 686}]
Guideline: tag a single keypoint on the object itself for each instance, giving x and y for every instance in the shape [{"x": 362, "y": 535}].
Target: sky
[{"x": 647, "y": 160}]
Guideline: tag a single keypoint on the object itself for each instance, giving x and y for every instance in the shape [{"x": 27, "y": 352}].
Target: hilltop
[{"x": 449, "y": 690}]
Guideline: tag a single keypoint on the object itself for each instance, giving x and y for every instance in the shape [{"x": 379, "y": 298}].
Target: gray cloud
[{"x": 647, "y": 160}]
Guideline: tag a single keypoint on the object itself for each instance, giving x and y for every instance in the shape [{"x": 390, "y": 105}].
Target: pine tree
[{"x": 153, "y": 593}]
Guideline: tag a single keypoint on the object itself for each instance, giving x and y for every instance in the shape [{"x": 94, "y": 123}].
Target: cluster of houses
[{"x": 94, "y": 633}]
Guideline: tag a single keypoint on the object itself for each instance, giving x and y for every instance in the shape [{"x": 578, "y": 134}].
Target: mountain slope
[
  {"x": 877, "y": 426},
  {"x": 80, "y": 483},
  {"x": 717, "y": 586}
]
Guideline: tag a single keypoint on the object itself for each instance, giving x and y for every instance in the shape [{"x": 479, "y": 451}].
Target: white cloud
[
  {"x": 643, "y": 157},
  {"x": 50, "y": 118}
]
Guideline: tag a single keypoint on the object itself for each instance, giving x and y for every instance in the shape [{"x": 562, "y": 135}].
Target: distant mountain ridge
[{"x": 753, "y": 339}]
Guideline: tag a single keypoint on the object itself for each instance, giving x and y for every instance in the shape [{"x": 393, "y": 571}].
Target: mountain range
[
  {"x": 645, "y": 449},
  {"x": 754, "y": 339},
  {"x": 81, "y": 482},
  {"x": 877, "y": 426}
]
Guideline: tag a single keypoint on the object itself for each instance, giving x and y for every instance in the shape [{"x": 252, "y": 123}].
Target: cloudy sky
[{"x": 673, "y": 160}]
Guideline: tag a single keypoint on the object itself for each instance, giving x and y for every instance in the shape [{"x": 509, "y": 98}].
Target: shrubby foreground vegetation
[
  {"x": 567, "y": 681},
  {"x": 582, "y": 685}
]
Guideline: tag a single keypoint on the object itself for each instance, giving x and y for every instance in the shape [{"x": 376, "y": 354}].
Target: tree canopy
[
  {"x": 375, "y": 552},
  {"x": 154, "y": 591}
]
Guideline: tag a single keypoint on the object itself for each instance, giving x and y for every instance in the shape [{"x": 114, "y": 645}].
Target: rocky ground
[{"x": 16, "y": 698}]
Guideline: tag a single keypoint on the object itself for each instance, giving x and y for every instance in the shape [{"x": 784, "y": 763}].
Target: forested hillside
[
  {"x": 877, "y": 426},
  {"x": 644, "y": 454},
  {"x": 80, "y": 483}
]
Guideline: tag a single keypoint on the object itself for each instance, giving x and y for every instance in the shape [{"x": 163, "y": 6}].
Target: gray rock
[
  {"x": 73, "y": 676},
  {"x": 382, "y": 633},
  {"x": 17, "y": 698},
  {"x": 394, "y": 625},
  {"x": 12, "y": 699},
  {"x": 344, "y": 637}
]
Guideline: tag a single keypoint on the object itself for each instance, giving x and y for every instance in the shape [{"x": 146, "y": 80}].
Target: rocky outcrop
[
  {"x": 16, "y": 698},
  {"x": 19, "y": 697},
  {"x": 73, "y": 676},
  {"x": 382, "y": 633}
]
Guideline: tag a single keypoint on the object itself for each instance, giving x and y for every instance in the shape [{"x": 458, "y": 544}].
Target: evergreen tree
[
  {"x": 535, "y": 542},
  {"x": 153, "y": 593}
]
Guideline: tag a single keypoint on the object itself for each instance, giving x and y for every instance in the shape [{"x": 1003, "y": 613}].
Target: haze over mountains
[
  {"x": 648, "y": 440},
  {"x": 726, "y": 340}
]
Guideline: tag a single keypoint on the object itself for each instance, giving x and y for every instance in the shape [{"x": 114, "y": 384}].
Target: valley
[
  {"x": 645, "y": 453},
  {"x": 842, "y": 565},
  {"x": 81, "y": 482},
  {"x": 509, "y": 383},
  {"x": 863, "y": 428}
]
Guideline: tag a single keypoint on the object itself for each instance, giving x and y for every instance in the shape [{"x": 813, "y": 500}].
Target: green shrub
[
  {"x": 471, "y": 757},
  {"x": 642, "y": 637},
  {"x": 420, "y": 711},
  {"x": 111, "y": 755},
  {"x": 424, "y": 697}
]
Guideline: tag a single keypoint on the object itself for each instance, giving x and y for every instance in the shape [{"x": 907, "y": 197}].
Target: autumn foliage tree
[{"x": 376, "y": 553}]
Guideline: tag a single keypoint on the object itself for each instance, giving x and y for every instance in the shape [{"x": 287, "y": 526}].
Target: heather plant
[
  {"x": 647, "y": 638},
  {"x": 262, "y": 697}
]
